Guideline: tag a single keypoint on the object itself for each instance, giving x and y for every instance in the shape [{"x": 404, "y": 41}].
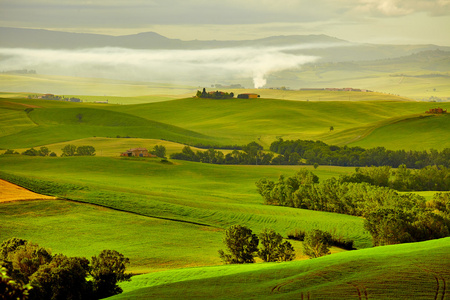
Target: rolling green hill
[
  {"x": 167, "y": 216},
  {"x": 408, "y": 271},
  {"x": 160, "y": 197},
  {"x": 225, "y": 122}
]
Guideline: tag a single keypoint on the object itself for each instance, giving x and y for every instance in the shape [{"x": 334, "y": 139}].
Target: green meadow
[
  {"x": 169, "y": 217},
  {"x": 222, "y": 122},
  {"x": 389, "y": 272}
]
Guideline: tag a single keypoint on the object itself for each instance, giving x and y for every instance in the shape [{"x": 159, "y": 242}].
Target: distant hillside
[{"x": 341, "y": 51}]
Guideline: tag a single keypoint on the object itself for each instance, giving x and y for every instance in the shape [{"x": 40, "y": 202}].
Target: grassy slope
[
  {"x": 407, "y": 271},
  {"x": 217, "y": 196},
  {"x": 265, "y": 120},
  {"x": 214, "y": 122},
  {"x": 432, "y": 132}
]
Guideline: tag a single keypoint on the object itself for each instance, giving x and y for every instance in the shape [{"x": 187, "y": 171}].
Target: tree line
[
  {"x": 68, "y": 150},
  {"x": 390, "y": 217},
  {"x": 311, "y": 152},
  {"x": 29, "y": 271},
  {"x": 304, "y": 152},
  {"x": 429, "y": 178},
  {"x": 251, "y": 154}
]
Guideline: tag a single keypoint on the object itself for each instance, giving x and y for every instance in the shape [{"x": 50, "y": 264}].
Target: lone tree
[
  {"x": 69, "y": 150},
  {"x": 107, "y": 269},
  {"x": 317, "y": 243},
  {"x": 160, "y": 151},
  {"x": 85, "y": 151},
  {"x": 242, "y": 245},
  {"x": 273, "y": 248}
]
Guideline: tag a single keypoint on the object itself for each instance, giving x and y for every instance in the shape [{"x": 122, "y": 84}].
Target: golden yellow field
[{"x": 11, "y": 192}]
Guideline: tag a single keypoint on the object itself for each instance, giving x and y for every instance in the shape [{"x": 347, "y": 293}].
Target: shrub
[{"x": 317, "y": 243}]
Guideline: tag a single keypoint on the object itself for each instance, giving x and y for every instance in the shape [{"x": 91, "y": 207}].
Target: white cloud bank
[{"x": 179, "y": 66}]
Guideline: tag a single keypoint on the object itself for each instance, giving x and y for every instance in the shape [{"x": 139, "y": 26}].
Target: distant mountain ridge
[{"x": 342, "y": 50}]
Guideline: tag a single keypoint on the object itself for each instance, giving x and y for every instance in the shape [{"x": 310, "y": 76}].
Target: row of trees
[
  {"x": 430, "y": 178},
  {"x": 43, "y": 151},
  {"x": 301, "y": 152},
  {"x": 242, "y": 246},
  {"x": 68, "y": 150},
  {"x": 310, "y": 152},
  {"x": 29, "y": 271},
  {"x": 389, "y": 216},
  {"x": 252, "y": 154}
]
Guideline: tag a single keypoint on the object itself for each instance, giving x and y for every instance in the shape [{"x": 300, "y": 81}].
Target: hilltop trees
[
  {"x": 242, "y": 246},
  {"x": 214, "y": 95}
]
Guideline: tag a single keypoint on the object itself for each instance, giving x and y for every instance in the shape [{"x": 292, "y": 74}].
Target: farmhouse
[
  {"x": 436, "y": 111},
  {"x": 137, "y": 152},
  {"x": 248, "y": 96}
]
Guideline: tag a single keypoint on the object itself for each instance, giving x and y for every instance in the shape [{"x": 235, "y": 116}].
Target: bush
[
  {"x": 9, "y": 151},
  {"x": 317, "y": 243},
  {"x": 31, "y": 152},
  {"x": 297, "y": 234}
]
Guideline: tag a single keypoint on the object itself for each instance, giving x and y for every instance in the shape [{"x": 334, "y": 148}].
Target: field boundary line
[{"x": 138, "y": 214}]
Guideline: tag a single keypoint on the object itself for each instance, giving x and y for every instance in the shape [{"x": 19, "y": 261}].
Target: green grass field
[
  {"x": 169, "y": 218},
  {"x": 166, "y": 201},
  {"x": 221, "y": 122},
  {"x": 408, "y": 271}
]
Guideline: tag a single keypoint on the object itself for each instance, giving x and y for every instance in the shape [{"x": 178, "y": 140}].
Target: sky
[{"x": 372, "y": 21}]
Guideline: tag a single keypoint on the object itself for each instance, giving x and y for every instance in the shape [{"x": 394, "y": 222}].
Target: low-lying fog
[{"x": 171, "y": 66}]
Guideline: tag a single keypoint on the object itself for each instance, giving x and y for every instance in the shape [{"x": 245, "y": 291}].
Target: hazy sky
[{"x": 379, "y": 21}]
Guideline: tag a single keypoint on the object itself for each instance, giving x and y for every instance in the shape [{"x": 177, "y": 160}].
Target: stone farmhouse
[
  {"x": 436, "y": 111},
  {"x": 137, "y": 152}
]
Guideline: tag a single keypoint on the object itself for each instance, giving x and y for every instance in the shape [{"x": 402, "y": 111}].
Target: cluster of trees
[
  {"x": 214, "y": 95},
  {"x": 29, "y": 271},
  {"x": 430, "y": 178},
  {"x": 68, "y": 150},
  {"x": 390, "y": 217},
  {"x": 72, "y": 150},
  {"x": 252, "y": 154},
  {"x": 310, "y": 152},
  {"x": 243, "y": 246},
  {"x": 43, "y": 151}
]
